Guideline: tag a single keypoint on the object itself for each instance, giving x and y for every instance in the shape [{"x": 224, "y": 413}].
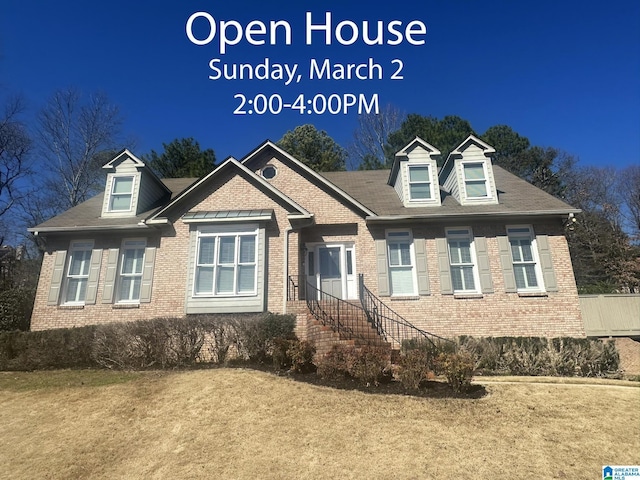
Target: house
[{"x": 465, "y": 249}]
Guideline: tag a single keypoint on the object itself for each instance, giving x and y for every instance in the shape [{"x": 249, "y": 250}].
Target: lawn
[{"x": 235, "y": 423}]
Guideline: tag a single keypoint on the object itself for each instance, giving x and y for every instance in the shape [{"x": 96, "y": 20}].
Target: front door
[{"x": 331, "y": 268}]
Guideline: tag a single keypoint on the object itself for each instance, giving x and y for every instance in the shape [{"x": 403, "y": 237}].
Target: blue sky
[{"x": 563, "y": 73}]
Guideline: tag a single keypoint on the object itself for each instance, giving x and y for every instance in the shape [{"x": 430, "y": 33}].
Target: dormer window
[
  {"x": 475, "y": 180},
  {"x": 419, "y": 183},
  {"x": 121, "y": 194}
]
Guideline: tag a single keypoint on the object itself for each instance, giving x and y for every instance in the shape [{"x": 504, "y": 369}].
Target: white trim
[
  {"x": 526, "y": 232},
  {"x": 487, "y": 185},
  {"x": 121, "y": 275},
  {"x": 408, "y": 238},
  {"x": 457, "y": 234},
  {"x": 216, "y": 234},
  {"x": 429, "y": 182},
  {"x": 76, "y": 246}
]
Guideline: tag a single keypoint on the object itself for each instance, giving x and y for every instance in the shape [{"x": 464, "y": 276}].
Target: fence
[{"x": 611, "y": 315}]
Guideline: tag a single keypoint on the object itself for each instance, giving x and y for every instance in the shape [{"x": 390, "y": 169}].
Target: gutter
[{"x": 456, "y": 216}]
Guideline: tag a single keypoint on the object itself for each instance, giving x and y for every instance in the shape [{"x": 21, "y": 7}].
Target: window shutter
[
  {"x": 147, "y": 274},
  {"x": 421, "y": 267},
  {"x": 446, "y": 287},
  {"x": 94, "y": 275},
  {"x": 506, "y": 261},
  {"x": 381, "y": 262},
  {"x": 56, "y": 278},
  {"x": 484, "y": 270},
  {"x": 546, "y": 263},
  {"x": 110, "y": 277}
]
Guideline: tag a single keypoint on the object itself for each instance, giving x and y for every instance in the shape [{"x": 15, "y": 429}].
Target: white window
[
  {"x": 226, "y": 264},
  {"x": 77, "y": 272},
  {"x": 419, "y": 182},
  {"x": 464, "y": 276},
  {"x": 121, "y": 194},
  {"x": 475, "y": 180},
  {"x": 130, "y": 273},
  {"x": 401, "y": 263},
  {"x": 523, "y": 253}
]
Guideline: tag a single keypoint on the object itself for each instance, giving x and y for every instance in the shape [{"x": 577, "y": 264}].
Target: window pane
[
  {"x": 518, "y": 270},
  {"x": 207, "y": 245},
  {"x": 122, "y": 185},
  {"x": 420, "y": 191},
  {"x": 462, "y": 278},
  {"x": 476, "y": 189},
  {"x": 460, "y": 251},
  {"x": 130, "y": 288},
  {"x": 330, "y": 262},
  {"x": 204, "y": 280},
  {"x": 132, "y": 261},
  {"x": 474, "y": 171},
  {"x": 247, "y": 249},
  {"x": 530, "y": 271},
  {"x": 80, "y": 262},
  {"x": 246, "y": 278},
  {"x": 76, "y": 289},
  {"x": 469, "y": 284},
  {"x": 515, "y": 251},
  {"x": 120, "y": 202},
  {"x": 227, "y": 253},
  {"x": 225, "y": 280},
  {"x": 399, "y": 254},
  {"x": 349, "y": 262},
  {"x": 419, "y": 174},
  {"x": 527, "y": 255},
  {"x": 456, "y": 278},
  {"x": 402, "y": 281}
]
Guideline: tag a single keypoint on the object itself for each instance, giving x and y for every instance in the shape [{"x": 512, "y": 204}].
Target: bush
[
  {"x": 16, "y": 305},
  {"x": 301, "y": 353},
  {"x": 370, "y": 364},
  {"x": 542, "y": 356},
  {"x": 60, "y": 348},
  {"x": 414, "y": 368},
  {"x": 458, "y": 368},
  {"x": 255, "y": 336},
  {"x": 335, "y": 364}
]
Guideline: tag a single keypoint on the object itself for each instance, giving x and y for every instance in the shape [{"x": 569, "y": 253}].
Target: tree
[
  {"x": 182, "y": 158},
  {"x": 629, "y": 190},
  {"x": 604, "y": 259},
  {"x": 77, "y": 135},
  {"x": 509, "y": 146},
  {"x": 15, "y": 145},
  {"x": 445, "y": 134},
  {"x": 315, "y": 148},
  {"x": 368, "y": 150}
]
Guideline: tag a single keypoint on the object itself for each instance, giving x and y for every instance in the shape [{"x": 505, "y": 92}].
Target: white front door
[{"x": 331, "y": 269}]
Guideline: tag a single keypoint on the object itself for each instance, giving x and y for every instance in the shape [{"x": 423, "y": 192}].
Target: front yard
[{"x": 237, "y": 423}]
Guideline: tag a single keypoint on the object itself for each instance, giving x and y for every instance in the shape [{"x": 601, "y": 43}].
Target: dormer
[
  {"x": 468, "y": 174},
  {"x": 414, "y": 175},
  {"x": 131, "y": 188}
]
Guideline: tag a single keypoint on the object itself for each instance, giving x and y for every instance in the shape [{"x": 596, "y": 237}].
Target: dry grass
[{"x": 245, "y": 424}]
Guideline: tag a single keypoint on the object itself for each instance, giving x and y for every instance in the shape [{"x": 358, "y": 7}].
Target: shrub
[
  {"x": 370, "y": 364},
  {"x": 458, "y": 368},
  {"x": 335, "y": 364},
  {"x": 414, "y": 368},
  {"x": 16, "y": 305},
  {"x": 255, "y": 335},
  {"x": 301, "y": 353},
  {"x": 48, "y": 349}
]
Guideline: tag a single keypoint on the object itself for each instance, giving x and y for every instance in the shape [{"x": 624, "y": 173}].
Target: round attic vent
[{"x": 269, "y": 172}]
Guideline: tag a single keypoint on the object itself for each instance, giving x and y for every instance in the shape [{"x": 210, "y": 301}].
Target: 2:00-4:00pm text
[{"x": 318, "y": 104}]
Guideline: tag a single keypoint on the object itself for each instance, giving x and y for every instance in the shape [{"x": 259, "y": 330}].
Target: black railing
[
  {"x": 347, "y": 319},
  {"x": 389, "y": 324}
]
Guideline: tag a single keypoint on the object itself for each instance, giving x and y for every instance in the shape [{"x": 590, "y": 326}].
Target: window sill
[
  {"x": 467, "y": 296},
  {"x": 124, "y": 306},
  {"x": 71, "y": 307},
  {"x": 400, "y": 298},
  {"x": 532, "y": 294}
]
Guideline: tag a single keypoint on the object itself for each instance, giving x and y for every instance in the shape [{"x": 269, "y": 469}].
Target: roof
[
  {"x": 516, "y": 197},
  {"x": 86, "y": 216}
]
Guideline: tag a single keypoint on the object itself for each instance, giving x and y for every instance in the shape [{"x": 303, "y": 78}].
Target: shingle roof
[
  {"x": 516, "y": 196},
  {"x": 87, "y": 215}
]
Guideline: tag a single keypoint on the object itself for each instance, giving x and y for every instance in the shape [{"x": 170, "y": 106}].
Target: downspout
[{"x": 287, "y": 230}]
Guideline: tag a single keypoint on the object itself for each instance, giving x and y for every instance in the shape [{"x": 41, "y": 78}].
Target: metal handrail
[
  {"x": 347, "y": 319},
  {"x": 391, "y": 325}
]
